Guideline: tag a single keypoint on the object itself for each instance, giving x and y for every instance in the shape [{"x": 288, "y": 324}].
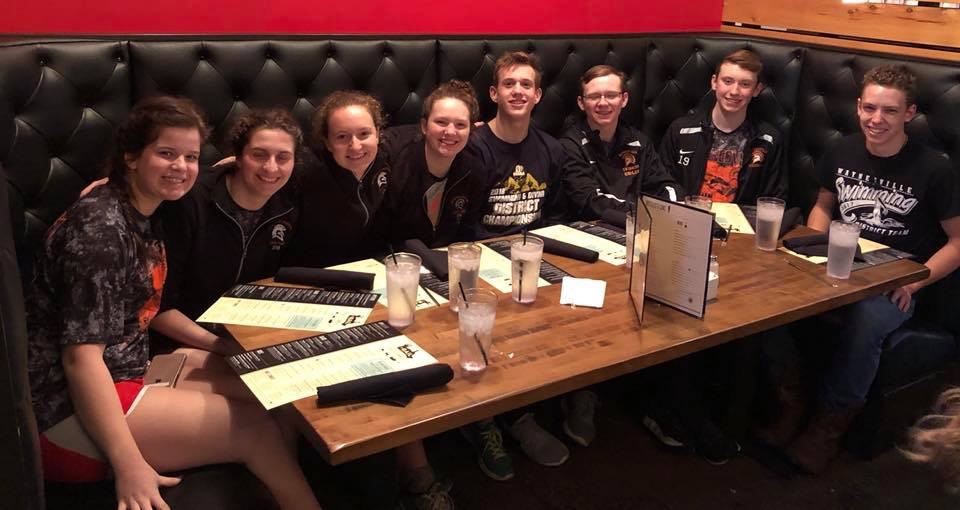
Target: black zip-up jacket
[
  {"x": 404, "y": 211},
  {"x": 612, "y": 180},
  {"x": 686, "y": 146},
  {"x": 338, "y": 212},
  {"x": 206, "y": 254}
]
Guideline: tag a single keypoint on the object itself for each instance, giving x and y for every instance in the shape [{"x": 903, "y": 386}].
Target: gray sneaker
[
  {"x": 578, "y": 408},
  {"x": 539, "y": 445}
]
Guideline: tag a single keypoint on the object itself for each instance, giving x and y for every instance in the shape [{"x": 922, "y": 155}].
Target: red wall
[{"x": 428, "y": 17}]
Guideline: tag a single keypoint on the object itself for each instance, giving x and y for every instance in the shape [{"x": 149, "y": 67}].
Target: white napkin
[{"x": 582, "y": 292}]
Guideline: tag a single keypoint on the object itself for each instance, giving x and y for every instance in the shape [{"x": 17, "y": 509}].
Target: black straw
[
  {"x": 393, "y": 254},
  {"x": 463, "y": 296},
  {"x": 524, "y": 237}
]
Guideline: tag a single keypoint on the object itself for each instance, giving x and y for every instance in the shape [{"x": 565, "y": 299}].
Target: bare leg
[
  {"x": 178, "y": 429},
  {"x": 208, "y": 373},
  {"x": 415, "y": 472}
]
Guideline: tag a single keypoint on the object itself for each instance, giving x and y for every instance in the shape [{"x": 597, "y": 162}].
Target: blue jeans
[{"x": 866, "y": 326}]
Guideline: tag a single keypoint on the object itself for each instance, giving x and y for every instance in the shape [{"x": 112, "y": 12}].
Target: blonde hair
[{"x": 935, "y": 439}]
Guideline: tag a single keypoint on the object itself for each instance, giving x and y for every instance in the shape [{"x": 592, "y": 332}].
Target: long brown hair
[{"x": 143, "y": 125}]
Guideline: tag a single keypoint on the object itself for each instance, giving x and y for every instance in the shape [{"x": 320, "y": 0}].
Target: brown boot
[
  {"x": 792, "y": 407},
  {"x": 820, "y": 442}
]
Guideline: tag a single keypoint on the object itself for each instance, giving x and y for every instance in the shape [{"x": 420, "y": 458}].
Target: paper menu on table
[
  {"x": 290, "y": 308},
  {"x": 495, "y": 269},
  {"x": 286, "y": 372},
  {"x": 425, "y": 297},
  {"x": 610, "y": 252},
  {"x": 678, "y": 256},
  {"x": 730, "y": 217}
]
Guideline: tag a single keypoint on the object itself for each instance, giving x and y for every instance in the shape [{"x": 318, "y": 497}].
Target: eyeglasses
[{"x": 596, "y": 96}]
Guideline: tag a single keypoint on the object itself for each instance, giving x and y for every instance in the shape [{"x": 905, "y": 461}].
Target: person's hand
[
  {"x": 226, "y": 161},
  {"x": 90, "y": 187},
  {"x": 902, "y": 296},
  {"x": 138, "y": 488}
]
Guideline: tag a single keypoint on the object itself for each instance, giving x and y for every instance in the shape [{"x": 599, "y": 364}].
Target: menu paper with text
[
  {"x": 731, "y": 218},
  {"x": 610, "y": 252},
  {"x": 290, "y": 308},
  {"x": 432, "y": 290},
  {"x": 679, "y": 255},
  {"x": 283, "y": 373}
]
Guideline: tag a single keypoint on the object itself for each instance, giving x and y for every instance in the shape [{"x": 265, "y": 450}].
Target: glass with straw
[
  {"x": 478, "y": 311},
  {"x": 526, "y": 252},
  {"x": 403, "y": 279}
]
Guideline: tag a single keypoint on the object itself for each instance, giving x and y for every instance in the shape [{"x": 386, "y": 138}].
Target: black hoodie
[
  {"x": 686, "y": 146},
  {"x": 612, "y": 176}
]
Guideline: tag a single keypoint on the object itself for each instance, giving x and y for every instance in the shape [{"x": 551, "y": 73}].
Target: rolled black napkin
[
  {"x": 814, "y": 245},
  {"x": 329, "y": 278},
  {"x": 568, "y": 250},
  {"x": 614, "y": 217},
  {"x": 395, "y": 388},
  {"x": 435, "y": 261}
]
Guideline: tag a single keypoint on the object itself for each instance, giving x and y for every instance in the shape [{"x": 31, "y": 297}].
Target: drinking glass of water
[
  {"x": 769, "y": 216},
  {"x": 842, "y": 248}
]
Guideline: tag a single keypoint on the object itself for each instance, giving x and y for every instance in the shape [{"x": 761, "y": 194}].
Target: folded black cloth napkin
[
  {"x": 814, "y": 245},
  {"x": 329, "y": 278},
  {"x": 435, "y": 261},
  {"x": 395, "y": 388},
  {"x": 568, "y": 250},
  {"x": 614, "y": 217}
]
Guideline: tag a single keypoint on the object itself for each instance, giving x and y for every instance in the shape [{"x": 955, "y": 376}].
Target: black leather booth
[{"x": 61, "y": 99}]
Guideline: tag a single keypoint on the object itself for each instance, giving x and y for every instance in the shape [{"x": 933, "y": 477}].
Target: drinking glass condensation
[
  {"x": 403, "y": 280},
  {"x": 477, "y": 316},
  {"x": 463, "y": 260},
  {"x": 842, "y": 249},
  {"x": 702, "y": 202},
  {"x": 525, "y": 256},
  {"x": 769, "y": 216}
]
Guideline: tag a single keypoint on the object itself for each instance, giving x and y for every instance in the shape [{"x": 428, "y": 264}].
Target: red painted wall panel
[{"x": 421, "y": 17}]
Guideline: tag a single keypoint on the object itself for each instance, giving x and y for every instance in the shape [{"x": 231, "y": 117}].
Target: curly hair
[
  {"x": 320, "y": 124},
  {"x": 935, "y": 439},
  {"x": 143, "y": 125},
  {"x": 454, "y": 89},
  {"x": 243, "y": 127},
  {"x": 895, "y": 76}
]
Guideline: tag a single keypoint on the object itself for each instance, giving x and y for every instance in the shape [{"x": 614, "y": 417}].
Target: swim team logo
[
  {"x": 518, "y": 200},
  {"x": 878, "y": 205},
  {"x": 459, "y": 204},
  {"x": 757, "y": 156},
  {"x": 278, "y": 235},
  {"x": 630, "y": 166}
]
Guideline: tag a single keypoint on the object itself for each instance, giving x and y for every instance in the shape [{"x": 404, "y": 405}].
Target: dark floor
[{"x": 624, "y": 469}]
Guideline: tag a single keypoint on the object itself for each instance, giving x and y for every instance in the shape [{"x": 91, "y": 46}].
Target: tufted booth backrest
[{"x": 61, "y": 99}]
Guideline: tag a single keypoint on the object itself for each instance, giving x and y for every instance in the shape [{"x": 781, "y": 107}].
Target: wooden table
[{"x": 549, "y": 349}]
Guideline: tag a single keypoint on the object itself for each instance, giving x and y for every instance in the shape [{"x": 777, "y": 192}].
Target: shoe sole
[
  {"x": 654, "y": 428},
  {"x": 576, "y": 438},
  {"x": 551, "y": 464}
]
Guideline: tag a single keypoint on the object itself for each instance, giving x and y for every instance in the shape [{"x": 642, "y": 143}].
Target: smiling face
[
  {"x": 265, "y": 164},
  {"x": 352, "y": 138},
  {"x": 447, "y": 128},
  {"x": 734, "y": 87},
  {"x": 602, "y": 101},
  {"x": 165, "y": 170},
  {"x": 516, "y": 92},
  {"x": 883, "y": 114}
]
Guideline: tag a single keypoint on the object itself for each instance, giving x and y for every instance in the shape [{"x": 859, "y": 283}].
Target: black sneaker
[
  {"x": 667, "y": 428},
  {"x": 487, "y": 440},
  {"x": 714, "y": 446}
]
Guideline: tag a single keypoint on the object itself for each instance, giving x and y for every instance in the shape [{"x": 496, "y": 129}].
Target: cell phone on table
[{"x": 165, "y": 368}]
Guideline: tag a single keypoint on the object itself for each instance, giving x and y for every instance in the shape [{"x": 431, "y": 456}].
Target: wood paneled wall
[{"x": 918, "y": 31}]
